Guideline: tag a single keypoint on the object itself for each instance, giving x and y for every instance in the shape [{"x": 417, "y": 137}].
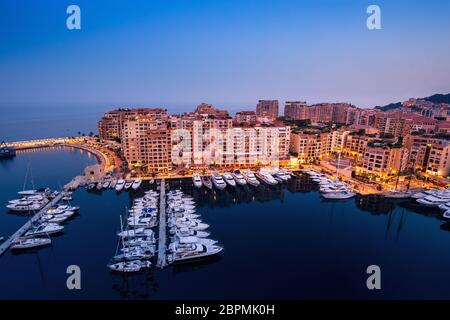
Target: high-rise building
[
  {"x": 146, "y": 142},
  {"x": 111, "y": 124},
  {"x": 295, "y": 110},
  {"x": 245, "y": 117},
  {"x": 384, "y": 160},
  {"x": 267, "y": 109}
]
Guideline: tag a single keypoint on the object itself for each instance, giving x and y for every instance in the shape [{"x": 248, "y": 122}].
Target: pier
[
  {"x": 161, "y": 263},
  {"x": 5, "y": 245}
]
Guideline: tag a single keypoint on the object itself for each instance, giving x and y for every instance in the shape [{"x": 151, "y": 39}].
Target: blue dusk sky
[{"x": 178, "y": 53}]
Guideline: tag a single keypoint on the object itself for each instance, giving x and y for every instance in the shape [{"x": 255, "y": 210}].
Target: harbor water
[{"x": 279, "y": 243}]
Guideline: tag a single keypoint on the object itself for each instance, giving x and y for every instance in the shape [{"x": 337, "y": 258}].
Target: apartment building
[
  {"x": 382, "y": 160},
  {"x": 428, "y": 153},
  {"x": 310, "y": 146},
  {"x": 356, "y": 144},
  {"x": 295, "y": 110},
  {"x": 245, "y": 118},
  {"x": 111, "y": 124},
  {"x": 146, "y": 142},
  {"x": 267, "y": 109}
]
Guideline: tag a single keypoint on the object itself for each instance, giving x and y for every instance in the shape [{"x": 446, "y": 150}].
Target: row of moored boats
[
  {"x": 118, "y": 185},
  {"x": 189, "y": 238},
  {"x": 48, "y": 223},
  {"x": 271, "y": 176},
  {"x": 330, "y": 188},
  {"x": 435, "y": 198},
  {"x": 137, "y": 241}
]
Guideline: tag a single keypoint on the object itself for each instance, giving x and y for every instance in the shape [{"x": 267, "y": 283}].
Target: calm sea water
[{"x": 279, "y": 243}]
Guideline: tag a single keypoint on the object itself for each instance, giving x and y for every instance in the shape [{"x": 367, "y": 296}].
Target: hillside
[{"x": 437, "y": 98}]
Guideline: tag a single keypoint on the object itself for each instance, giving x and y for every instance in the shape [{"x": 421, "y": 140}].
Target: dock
[
  {"x": 161, "y": 263},
  {"x": 5, "y": 245}
]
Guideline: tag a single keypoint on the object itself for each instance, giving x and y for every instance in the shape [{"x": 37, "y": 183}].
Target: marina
[{"x": 398, "y": 224}]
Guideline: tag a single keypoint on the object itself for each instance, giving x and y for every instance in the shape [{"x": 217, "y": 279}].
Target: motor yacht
[
  {"x": 398, "y": 194},
  {"x": 218, "y": 181},
  {"x": 206, "y": 181},
  {"x": 130, "y": 266},
  {"x": 446, "y": 214},
  {"x": 120, "y": 185},
  {"x": 434, "y": 200},
  {"x": 29, "y": 243},
  {"x": 193, "y": 252},
  {"x": 44, "y": 229},
  {"x": 128, "y": 184},
  {"x": 99, "y": 186},
  {"x": 113, "y": 184},
  {"x": 193, "y": 225},
  {"x": 136, "y": 184},
  {"x": 197, "y": 180},
  {"x": 138, "y": 232},
  {"x": 186, "y": 232},
  {"x": 229, "y": 179},
  {"x": 341, "y": 195},
  {"x": 106, "y": 184},
  {"x": 250, "y": 178},
  {"x": 266, "y": 177},
  {"x": 239, "y": 177}
]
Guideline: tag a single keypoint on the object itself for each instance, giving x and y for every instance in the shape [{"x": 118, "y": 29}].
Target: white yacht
[
  {"x": 193, "y": 252},
  {"x": 138, "y": 232},
  {"x": 130, "y": 266},
  {"x": 229, "y": 179},
  {"x": 23, "y": 207},
  {"x": 193, "y": 239},
  {"x": 446, "y": 214},
  {"x": 333, "y": 188},
  {"x": 434, "y": 200},
  {"x": 99, "y": 186},
  {"x": 28, "y": 243},
  {"x": 136, "y": 184},
  {"x": 218, "y": 181},
  {"x": 186, "y": 232},
  {"x": 189, "y": 241},
  {"x": 425, "y": 193},
  {"x": 135, "y": 254},
  {"x": 339, "y": 195},
  {"x": 106, "y": 184},
  {"x": 128, "y": 184},
  {"x": 138, "y": 241},
  {"x": 28, "y": 192},
  {"x": 44, "y": 229},
  {"x": 54, "y": 218},
  {"x": 206, "y": 181},
  {"x": 120, "y": 185},
  {"x": 250, "y": 178},
  {"x": 113, "y": 184},
  {"x": 197, "y": 180},
  {"x": 444, "y": 206},
  {"x": 193, "y": 225},
  {"x": 266, "y": 177},
  {"x": 239, "y": 177},
  {"x": 398, "y": 194}
]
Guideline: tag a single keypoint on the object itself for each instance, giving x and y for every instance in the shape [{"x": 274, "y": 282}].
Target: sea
[{"x": 282, "y": 242}]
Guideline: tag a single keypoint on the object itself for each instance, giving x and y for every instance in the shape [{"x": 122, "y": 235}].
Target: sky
[{"x": 231, "y": 53}]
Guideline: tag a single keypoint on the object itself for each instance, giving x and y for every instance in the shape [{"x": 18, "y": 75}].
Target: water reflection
[{"x": 139, "y": 286}]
